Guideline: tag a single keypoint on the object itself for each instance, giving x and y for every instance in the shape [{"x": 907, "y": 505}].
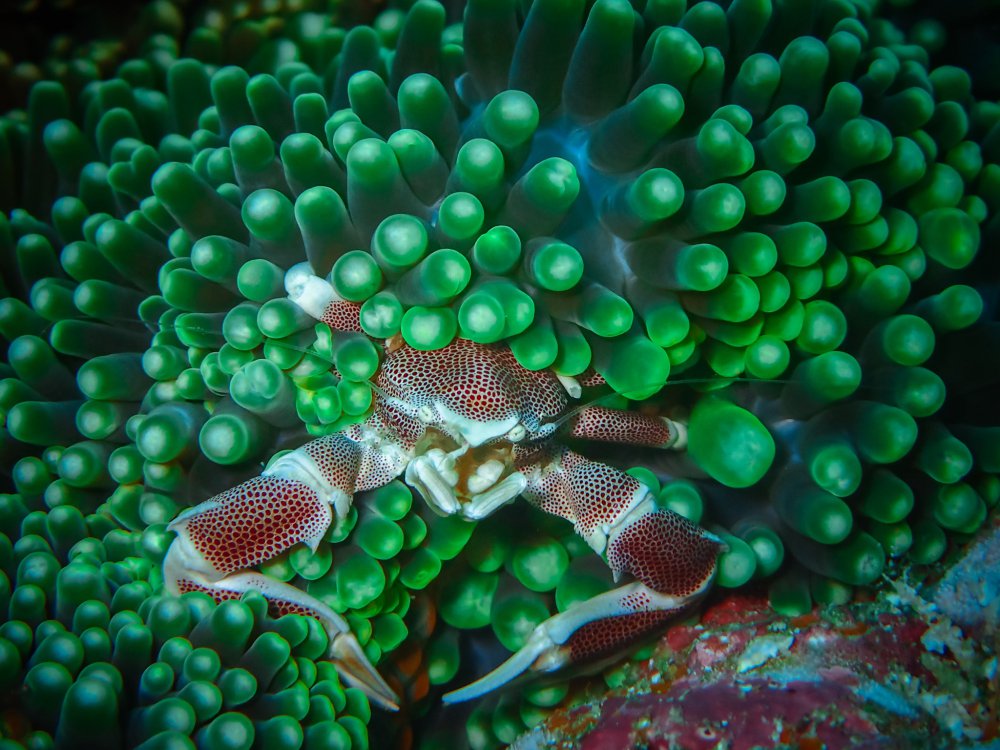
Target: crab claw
[
  {"x": 675, "y": 563},
  {"x": 344, "y": 651},
  {"x": 218, "y": 540},
  {"x": 355, "y": 669},
  {"x": 587, "y": 630}
]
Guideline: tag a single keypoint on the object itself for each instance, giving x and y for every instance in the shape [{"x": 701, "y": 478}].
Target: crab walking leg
[
  {"x": 672, "y": 560},
  {"x": 629, "y": 427},
  {"x": 318, "y": 298},
  {"x": 292, "y": 502}
]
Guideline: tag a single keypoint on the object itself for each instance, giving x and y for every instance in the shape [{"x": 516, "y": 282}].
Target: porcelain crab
[{"x": 471, "y": 430}]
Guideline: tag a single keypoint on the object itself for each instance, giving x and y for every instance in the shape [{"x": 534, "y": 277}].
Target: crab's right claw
[
  {"x": 675, "y": 562},
  {"x": 540, "y": 653},
  {"x": 587, "y": 630}
]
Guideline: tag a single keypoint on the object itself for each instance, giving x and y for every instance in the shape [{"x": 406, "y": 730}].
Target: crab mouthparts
[{"x": 476, "y": 468}]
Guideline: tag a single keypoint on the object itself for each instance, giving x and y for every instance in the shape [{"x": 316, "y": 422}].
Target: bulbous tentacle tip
[{"x": 732, "y": 445}]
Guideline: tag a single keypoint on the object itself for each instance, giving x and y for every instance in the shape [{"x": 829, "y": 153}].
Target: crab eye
[
  {"x": 427, "y": 414},
  {"x": 516, "y": 433}
]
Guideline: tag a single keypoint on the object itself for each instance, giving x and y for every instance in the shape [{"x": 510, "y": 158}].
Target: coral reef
[
  {"x": 782, "y": 707},
  {"x": 891, "y": 672},
  {"x": 776, "y": 220}
]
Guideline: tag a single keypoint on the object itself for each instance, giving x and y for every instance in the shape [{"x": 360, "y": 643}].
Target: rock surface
[{"x": 895, "y": 671}]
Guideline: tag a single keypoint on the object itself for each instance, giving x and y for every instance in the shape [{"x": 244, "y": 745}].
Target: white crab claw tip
[
  {"x": 478, "y": 484},
  {"x": 341, "y": 504},
  {"x": 680, "y": 430},
  {"x": 539, "y": 654},
  {"x": 297, "y": 277},
  {"x": 715, "y": 538},
  {"x": 494, "y": 467},
  {"x": 353, "y": 666},
  {"x": 308, "y": 291}
]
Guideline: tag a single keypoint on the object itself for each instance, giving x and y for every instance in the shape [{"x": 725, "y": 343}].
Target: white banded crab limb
[
  {"x": 319, "y": 299},
  {"x": 586, "y": 630},
  {"x": 672, "y": 559},
  {"x": 284, "y": 599},
  {"x": 292, "y": 502}
]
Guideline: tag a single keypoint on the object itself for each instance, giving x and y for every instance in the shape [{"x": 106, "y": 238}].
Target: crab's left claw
[
  {"x": 355, "y": 669},
  {"x": 674, "y": 561},
  {"x": 293, "y": 502},
  {"x": 344, "y": 651}
]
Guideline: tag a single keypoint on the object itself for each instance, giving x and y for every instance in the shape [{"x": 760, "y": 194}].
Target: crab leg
[
  {"x": 292, "y": 502},
  {"x": 672, "y": 560},
  {"x": 629, "y": 427},
  {"x": 318, "y": 298}
]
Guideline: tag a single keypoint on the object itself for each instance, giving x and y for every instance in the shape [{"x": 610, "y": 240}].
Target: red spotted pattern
[
  {"x": 616, "y": 426},
  {"x": 546, "y": 489},
  {"x": 338, "y": 458},
  {"x": 608, "y": 636},
  {"x": 526, "y": 455},
  {"x": 390, "y": 418},
  {"x": 349, "y": 465},
  {"x": 257, "y": 520},
  {"x": 276, "y": 606},
  {"x": 343, "y": 316},
  {"x": 665, "y": 551},
  {"x": 591, "y": 379},
  {"x": 583, "y": 491},
  {"x": 483, "y": 383},
  {"x": 260, "y": 518},
  {"x": 186, "y": 585}
]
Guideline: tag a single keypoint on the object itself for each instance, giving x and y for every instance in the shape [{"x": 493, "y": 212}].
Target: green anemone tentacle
[{"x": 774, "y": 224}]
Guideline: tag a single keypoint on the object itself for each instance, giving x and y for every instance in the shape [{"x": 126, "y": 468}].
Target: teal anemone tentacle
[{"x": 774, "y": 224}]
